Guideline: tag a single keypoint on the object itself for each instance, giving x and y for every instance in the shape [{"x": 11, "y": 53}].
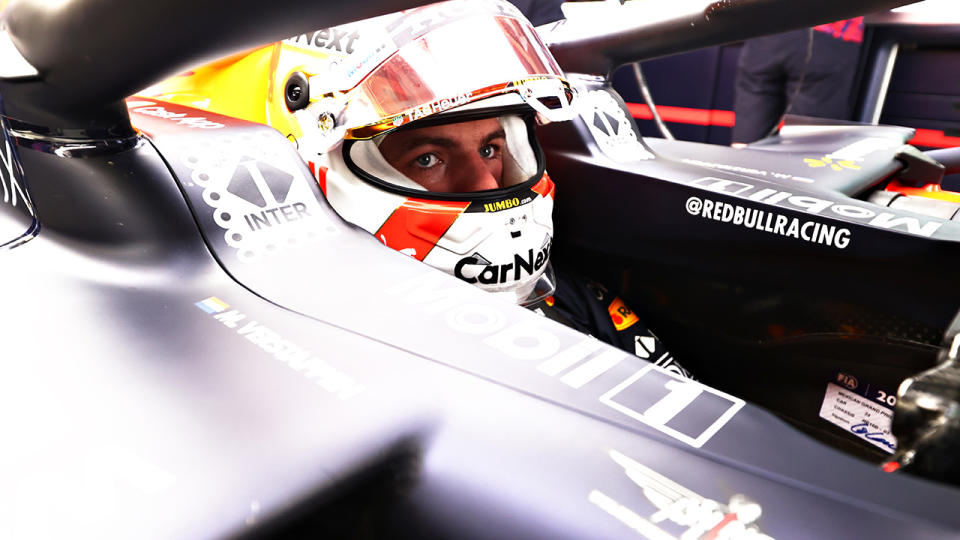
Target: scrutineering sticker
[{"x": 860, "y": 408}]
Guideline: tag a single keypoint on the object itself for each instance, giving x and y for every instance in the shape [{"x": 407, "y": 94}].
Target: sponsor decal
[
  {"x": 375, "y": 56},
  {"x": 294, "y": 356},
  {"x": 678, "y": 512},
  {"x": 644, "y": 346},
  {"x": 248, "y": 182},
  {"x": 505, "y": 204},
  {"x": 149, "y": 108},
  {"x": 849, "y": 157},
  {"x": 431, "y": 108},
  {"x": 683, "y": 409},
  {"x": 611, "y": 128},
  {"x": 826, "y": 161},
  {"x": 622, "y": 316},
  {"x": 257, "y": 189},
  {"x": 333, "y": 39},
  {"x": 751, "y": 218},
  {"x": 521, "y": 267},
  {"x": 10, "y": 178},
  {"x": 860, "y": 408},
  {"x": 748, "y": 170},
  {"x": 276, "y": 216},
  {"x": 817, "y": 206}
]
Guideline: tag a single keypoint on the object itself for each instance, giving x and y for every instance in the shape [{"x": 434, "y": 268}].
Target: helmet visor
[{"x": 463, "y": 61}]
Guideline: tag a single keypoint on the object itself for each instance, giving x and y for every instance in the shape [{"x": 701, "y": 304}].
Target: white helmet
[{"x": 453, "y": 62}]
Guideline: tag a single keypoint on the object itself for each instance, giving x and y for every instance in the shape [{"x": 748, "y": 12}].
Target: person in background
[
  {"x": 804, "y": 72},
  {"x": 540, "y": 11}
]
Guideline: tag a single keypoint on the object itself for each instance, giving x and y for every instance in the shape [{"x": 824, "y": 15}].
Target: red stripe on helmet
[
  {"x": 419, "y": 225},
  {"x": 544, "y": 187},
  {"x": 320, "y": 173}
]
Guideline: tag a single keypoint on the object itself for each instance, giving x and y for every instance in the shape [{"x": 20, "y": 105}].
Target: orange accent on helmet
[
  {"x": 545, "y": 186},
  {"x": 418, "y": 225}
]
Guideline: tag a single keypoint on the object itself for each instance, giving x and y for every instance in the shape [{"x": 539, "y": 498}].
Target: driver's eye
[
  {"x": 488, "y": 151},
  {"x": 427, "y": 160}
]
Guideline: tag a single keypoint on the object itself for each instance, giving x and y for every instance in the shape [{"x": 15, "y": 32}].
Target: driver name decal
[
  {"x": 295, "y": 357},
  {"x": 766, "y": 221}
]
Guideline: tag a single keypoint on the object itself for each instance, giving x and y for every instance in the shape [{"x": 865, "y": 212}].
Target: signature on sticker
[{"x": 864, "y": 429}]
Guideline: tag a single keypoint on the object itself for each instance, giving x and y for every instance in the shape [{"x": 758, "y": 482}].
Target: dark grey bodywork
[{"x": 337, "y": 388}]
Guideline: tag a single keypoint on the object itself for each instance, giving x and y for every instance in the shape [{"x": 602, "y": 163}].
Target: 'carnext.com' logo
[{"x": 212, "y": 305}]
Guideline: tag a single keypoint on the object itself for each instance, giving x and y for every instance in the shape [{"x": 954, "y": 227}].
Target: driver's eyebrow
[
  {"x": 416, "y": 141},
  {"x": 424, "y": 140},
  {"x": 494, "y": 135}
]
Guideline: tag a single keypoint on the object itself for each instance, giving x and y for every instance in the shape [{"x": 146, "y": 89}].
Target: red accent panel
[
  {"x": 419, "y": 224},
  {"x": 545, "y": 186},
  {"x": 930, "y": 191},
  {"x": 847, "y": 29},
  {"x": 935, "y": 138},
  {"x": 707, "y": 117},
  {"x": 713, "y": 533},
  {"x": 685, "y": 115}
]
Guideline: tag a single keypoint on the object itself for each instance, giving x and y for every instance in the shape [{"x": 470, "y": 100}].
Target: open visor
[{"x": 463, "y": 61}]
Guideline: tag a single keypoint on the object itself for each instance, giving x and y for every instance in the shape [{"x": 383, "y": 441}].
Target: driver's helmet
[{"x": 443, "y": 64}]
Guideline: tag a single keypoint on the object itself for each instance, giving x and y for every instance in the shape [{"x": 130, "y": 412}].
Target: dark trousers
[{"x": 803, "y": 72}]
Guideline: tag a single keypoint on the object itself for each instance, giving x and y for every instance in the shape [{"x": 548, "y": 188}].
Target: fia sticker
[
  {"x": 683, "y": 409},
  {"x": 611, "y": 128},
  {"x": 861, "y": 409}
]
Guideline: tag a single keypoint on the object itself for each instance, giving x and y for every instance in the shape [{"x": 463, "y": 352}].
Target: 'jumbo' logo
[{"x": 501, "y": 205}]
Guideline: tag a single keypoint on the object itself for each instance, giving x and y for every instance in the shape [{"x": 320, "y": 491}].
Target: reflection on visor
[{"x": 446, "y": 69}]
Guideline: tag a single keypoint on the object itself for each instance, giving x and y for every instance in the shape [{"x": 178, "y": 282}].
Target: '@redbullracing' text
[{"x": 762, "y": 220}]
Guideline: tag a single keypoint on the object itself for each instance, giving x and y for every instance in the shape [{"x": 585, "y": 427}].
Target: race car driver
[{"x": 432, "y": 149}]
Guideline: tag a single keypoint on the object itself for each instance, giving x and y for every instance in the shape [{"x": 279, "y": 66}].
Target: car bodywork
[{"x": 196, "y": 345}]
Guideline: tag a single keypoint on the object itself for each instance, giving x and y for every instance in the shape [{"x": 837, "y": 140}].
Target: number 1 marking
[{"x": 681, "y": 394}]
